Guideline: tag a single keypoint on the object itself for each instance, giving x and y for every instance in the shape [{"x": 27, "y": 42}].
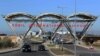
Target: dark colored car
[
  {"x": 41, "y": 48},
  {"x": 26, "y": 48}
]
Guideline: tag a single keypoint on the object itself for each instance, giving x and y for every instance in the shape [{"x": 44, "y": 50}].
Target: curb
[
  {"x": 83, "y": 46},
  {"x": 95, "y": 49},
  {"x": 69, "y": 50},
  {"x": 9, "y": 50},
  {"x": 50, "y": 50}
]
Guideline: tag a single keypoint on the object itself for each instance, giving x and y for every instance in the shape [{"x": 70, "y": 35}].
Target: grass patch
[
  {"x": 96, "y": 45},
  {"x": 51, "y": 45},
  {"x": 6, "y": 43},
  {"x": 58, "y": 50}
]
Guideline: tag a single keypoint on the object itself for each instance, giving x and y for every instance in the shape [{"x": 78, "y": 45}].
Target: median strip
[{"x": 55, "y": 50}]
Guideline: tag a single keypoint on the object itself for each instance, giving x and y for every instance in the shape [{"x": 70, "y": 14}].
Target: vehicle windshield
[{"x": 26, "y": 46}]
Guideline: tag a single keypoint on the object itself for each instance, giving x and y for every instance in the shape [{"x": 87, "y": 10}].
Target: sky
[{"x": 36, "y": 7}]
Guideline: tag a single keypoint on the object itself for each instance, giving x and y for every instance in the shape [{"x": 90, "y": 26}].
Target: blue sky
[{"x": 35, "y": 7}]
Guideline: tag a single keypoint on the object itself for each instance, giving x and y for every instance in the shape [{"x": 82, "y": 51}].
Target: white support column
[
  {"x": 84, "y": 31},
  {"x": 29, "y": 30},
  {"x": 39, "y": 27},
  {"x": 56, "y": 30}
]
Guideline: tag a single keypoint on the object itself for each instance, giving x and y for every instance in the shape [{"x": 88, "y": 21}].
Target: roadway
[
  {"x": 34, "y": 52},
  {"x": 80, "y": 51}
]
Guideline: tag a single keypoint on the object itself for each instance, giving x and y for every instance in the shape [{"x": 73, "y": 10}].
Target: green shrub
[
  {"x": 1, "y": 43},
  {"x": 6, "y": 42}
]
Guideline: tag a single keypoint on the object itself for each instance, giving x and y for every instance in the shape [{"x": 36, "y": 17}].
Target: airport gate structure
[
  {"x": 65, "y": 20},
  {"x": 62, "y": 19}
]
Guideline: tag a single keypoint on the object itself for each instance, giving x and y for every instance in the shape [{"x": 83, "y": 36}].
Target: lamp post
[
  {"x": 62, "y": 44},
  {"x": 75, "y": 33},
  {"x": 62, "y": 8}
]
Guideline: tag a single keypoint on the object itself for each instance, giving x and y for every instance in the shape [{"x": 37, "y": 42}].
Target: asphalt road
[
  {"x": 34, "y": 52},
  {"x": 80, "y": 51}
]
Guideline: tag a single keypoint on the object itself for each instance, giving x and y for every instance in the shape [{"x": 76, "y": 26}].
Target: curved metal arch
[
  {"x": 83, "y": 16},
  {"x": 18, "y": 14},
  {"x": 61, "y": 18},
  {"x": 58, "y": 16},
  {"x": 11, "y": 17}
]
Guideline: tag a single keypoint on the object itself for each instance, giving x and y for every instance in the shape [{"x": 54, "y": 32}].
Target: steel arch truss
[
  {"x": 10, "y": 18},
  {"x": 62, "y": 19},
  {"x": 83, "y": 18}
]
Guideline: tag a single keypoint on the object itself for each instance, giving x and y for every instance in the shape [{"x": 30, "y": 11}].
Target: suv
[{"x": 26, "y": 48}]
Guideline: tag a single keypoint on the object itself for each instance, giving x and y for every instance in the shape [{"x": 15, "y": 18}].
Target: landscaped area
[
  {"x": 58, "y": 51},
  {"x": 97, "y": 44},
  {"x": 7, "y": 43}
]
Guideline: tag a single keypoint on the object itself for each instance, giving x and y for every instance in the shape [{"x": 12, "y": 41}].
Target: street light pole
[
  {"x": 75, "y": 33},
  {"x": 62, "y": 44},
  {"x": 62, "y": 8}
]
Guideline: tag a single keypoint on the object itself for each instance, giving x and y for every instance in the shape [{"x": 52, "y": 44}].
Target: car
[
  {"x": 26, "y": 48},
  {"x": 41, "y": 48}
]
